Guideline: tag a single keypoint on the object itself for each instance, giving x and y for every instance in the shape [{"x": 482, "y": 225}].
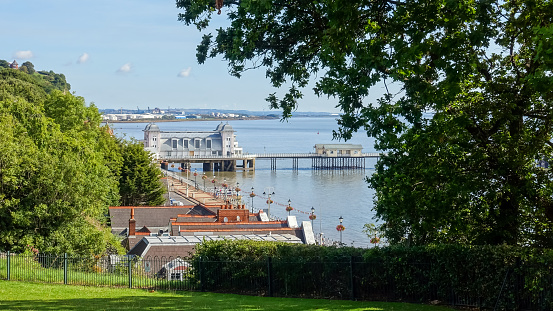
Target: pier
[{"x": 247, "y": 161}]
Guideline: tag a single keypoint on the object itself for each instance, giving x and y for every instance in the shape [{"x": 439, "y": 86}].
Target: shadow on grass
[
  {"x": 35, "y": 296},
  {"x": 197, "y": 302}
]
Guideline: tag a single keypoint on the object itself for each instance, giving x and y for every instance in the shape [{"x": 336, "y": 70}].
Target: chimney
[{"x": 132, "y": 224}]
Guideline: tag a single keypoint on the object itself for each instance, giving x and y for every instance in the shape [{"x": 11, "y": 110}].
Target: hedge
[{"x": 500, "y": 277}]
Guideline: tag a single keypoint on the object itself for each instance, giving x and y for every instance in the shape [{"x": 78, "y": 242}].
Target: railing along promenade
[
  {"x": 266, "y": 156},
  {"x": 228, "y": 162}
]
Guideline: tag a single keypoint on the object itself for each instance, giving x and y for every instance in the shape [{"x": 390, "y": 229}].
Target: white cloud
[
  {"x": 125, "y": 68},
  {"x": 23, "y": 54},
  {"x": 83, "y": 58},
  {"x": 184, "y": 73}
]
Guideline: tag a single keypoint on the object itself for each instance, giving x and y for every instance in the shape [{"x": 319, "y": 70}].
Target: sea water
[{"x": 332, "y": 193}]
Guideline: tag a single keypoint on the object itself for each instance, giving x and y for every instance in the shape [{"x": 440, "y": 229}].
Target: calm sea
[{"x": 333, "y": 193}]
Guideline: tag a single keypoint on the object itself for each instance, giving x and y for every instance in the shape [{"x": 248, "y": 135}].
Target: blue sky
[{"x": 124, "y": 54}]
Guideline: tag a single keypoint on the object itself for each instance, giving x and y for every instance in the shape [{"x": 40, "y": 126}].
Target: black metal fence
[{"x": 513, "y": 288}]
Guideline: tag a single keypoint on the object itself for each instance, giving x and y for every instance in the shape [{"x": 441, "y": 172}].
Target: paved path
[{"x": 191, "y": 194}]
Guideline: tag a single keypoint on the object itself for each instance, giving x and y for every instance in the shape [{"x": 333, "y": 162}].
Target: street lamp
[
  {"x": 270, "y": 191},
  {"x": 237, "y": 193},
  {"x": 168, "y": 189},
  {"x": 214, "y": 187},
  {"x": 252, "y": 195},
  {"x": 195, "y": 174},
  {"x": 340, "y": 228},
  {"x": 225, "y": 187},
  {"x": 204, "y": 177},
  {"x": 289, "y": 208},
  {"x": 312, "y": 216}
]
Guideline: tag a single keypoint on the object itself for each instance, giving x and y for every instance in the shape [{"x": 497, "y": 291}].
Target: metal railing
[
  {"x": 184, "y": 156},
  {"x": 518, "y": 288}
]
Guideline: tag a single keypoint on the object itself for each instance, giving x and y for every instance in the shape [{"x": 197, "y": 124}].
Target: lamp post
[
  {"x": 252, "y": 195},
  {"x": 289, "y": 208},
  {"x": 312, "y": 216},
  {"x": 204, "y": 177},
  {"x": 340, "y": 228},
  {"x": 237, "y": 193},
  {"x": 269, "y": 191},
  {"x": 168, "y": 190},
  {"x": 195, "y": 175},
  {"x": 225, "y": 188},
  {"x": 187, "y": 171},
  {"x": 214, "y": 187}
]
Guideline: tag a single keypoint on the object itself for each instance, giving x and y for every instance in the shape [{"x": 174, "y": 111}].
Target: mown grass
[
  {"x": 26, "y": 268},
  {"x": 37, "y": 296}
]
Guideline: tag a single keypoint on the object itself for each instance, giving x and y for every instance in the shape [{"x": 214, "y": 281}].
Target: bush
[{"x": 461, "y": 275}]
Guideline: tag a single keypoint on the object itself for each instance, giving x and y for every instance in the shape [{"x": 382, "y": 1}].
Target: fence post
[
  {"x": 65, "y": 268},
  {"x": 8, "y": 263},
  {"x": 201, "y": 274},
  {"x": 352, "y": 281},
  {"x": 269, "y": 276},
  {"x": 129, "y": 263}
]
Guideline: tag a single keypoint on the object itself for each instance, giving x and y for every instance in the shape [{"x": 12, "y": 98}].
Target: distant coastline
[
  {"x": 209, "y": 119},
  {"x": 189, "y": 120}
]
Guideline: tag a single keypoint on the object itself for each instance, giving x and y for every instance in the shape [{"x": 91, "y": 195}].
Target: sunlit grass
[{"x": 36, "y": 296}]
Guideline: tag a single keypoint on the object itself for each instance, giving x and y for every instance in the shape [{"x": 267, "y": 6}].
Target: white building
[{"x": 183, "y": 144}]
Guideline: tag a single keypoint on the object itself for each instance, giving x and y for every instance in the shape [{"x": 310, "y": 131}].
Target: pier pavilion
[{"x": 216, "y": 150}]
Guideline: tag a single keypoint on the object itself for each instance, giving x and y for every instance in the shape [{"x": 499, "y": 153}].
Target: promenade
[{"x": 183, "y": 190}]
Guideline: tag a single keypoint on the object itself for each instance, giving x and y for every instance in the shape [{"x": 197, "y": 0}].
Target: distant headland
[{"x": 178, "y": 115}]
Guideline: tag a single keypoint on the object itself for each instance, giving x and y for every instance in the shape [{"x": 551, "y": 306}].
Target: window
[
  {"x": 208, "y": 144},
  {"x": 197, "y": 143},
  {"x": 154, "y": 138},
  {"x": 174, "y": 144},
  {"x": 185, "y": 143},
  {"x": 176, "y": 276}
]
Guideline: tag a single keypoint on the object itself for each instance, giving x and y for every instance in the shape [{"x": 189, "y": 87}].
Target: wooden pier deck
[{"x": 231, "y": 163}]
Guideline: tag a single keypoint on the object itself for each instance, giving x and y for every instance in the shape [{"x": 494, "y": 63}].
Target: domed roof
[
  {"x": 219, "y": 127},
  {"x": 151, "y": 127},
  {"x": 227, "y": 127}
]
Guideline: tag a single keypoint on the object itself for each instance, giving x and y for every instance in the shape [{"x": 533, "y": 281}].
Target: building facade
[
  {"x": 339, "y": 150},
  {"x": 182, "y": 144}
]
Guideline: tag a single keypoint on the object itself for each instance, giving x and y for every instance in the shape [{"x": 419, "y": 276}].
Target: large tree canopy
[
  {"x": 60, "y": 170},
  {"x": 465, "y": 116}
]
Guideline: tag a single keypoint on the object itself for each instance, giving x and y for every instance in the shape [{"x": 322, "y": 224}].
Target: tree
[
  {"x": 30, "y": 67},
  {"x": 465, "y": 114},
  {"x": 4, "y": 63},
  {"x": 140, "y": 179},
  {"x": 55, "y": 180}
]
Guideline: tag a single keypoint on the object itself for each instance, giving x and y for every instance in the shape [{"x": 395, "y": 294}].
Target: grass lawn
[{"x": 37, "y": 296}]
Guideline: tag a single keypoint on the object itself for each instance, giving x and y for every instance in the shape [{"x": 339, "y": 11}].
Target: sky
[{"x": 128, "y": 54}]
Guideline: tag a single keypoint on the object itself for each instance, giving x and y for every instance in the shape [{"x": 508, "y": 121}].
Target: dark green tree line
[
  {"x": 464, "y": 118},
  {"x": 59, "y": 170}
]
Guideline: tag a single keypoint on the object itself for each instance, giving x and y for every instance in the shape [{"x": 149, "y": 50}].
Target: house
[
  {"x": 339, "y": 150},
  {"x": 172, "y": 232},
  {"x": 151, "y": 220},
  {"x": 14, "y": 65}
]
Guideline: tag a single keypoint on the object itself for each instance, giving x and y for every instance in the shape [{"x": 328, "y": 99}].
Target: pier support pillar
[{"x": 207, "y": 167}]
